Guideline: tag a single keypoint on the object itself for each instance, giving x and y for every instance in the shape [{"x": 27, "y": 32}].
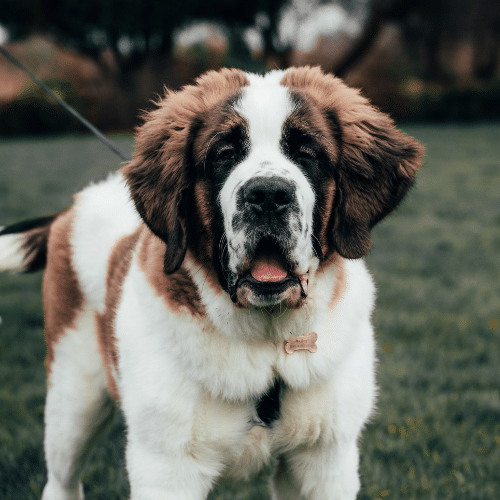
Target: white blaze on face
[{"x": 265, "y": 105}]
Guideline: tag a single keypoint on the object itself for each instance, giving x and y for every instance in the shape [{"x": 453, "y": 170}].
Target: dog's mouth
[{"x": 270, "y": 278}]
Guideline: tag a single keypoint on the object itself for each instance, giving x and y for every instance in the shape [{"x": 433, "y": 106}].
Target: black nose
[{"x": 268, "y": 194}]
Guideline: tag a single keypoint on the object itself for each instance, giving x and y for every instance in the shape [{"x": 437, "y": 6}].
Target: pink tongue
[{"x": 268, "y": 268}]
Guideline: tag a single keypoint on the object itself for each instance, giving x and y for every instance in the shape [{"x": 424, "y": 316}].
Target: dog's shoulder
[{"x": 103, "y": 214}]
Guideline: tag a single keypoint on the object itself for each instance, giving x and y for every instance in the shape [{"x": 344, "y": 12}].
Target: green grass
[{"x": 436, "y": 432}]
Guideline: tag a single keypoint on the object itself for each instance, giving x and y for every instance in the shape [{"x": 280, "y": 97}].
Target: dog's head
[{"x": 264, "y": 177}]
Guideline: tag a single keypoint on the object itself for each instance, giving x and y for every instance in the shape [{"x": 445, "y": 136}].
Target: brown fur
[
  {"x": 371, "y": 165},
  {"x": 62, "y": 293},
  {"x": 325, "y": 208},
  {"x": 377, "y": 164},
  {"x": 340, "y": 283},
  {"x": 157, "y": 176},
  {"x": 202, "y": 244},
  {"x": 217, "y": 120},
  {"x": 118, "y": 268},
  {"x": 177, "y": 289}
]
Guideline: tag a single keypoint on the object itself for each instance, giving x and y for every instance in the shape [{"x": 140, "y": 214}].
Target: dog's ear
[
  {"x": 160, "y": 175},
  {"x": 158, "y": 180},
  {"x": 374, "y": 164},
  {"x": 377, "y": 167}
]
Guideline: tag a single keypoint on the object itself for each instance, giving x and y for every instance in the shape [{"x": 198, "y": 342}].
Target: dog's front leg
[
  {"x": 319, "y": 427},
  {"x": 168, "y": 456},
  {"x": 320, "y": 473},
  {"x": 165, "y": 457},
  {"x": 154, "y": 475}
]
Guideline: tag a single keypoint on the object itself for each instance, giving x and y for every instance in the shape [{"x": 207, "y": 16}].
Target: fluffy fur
[{"x": 151, "y": 296}]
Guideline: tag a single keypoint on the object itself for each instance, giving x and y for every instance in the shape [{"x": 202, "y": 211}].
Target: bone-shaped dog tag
[{"x": 302, "y": 343}]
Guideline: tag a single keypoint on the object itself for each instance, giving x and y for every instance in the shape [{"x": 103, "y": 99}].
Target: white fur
[
  {"x": 266, "y": 159},
  {"x": 104, "y": 213},
  {"x": 188, "y": 390},
  {"x": 11, "y": 252},
  {"x": 188, "y": 386},
  {"x": 76, "y": 410}
]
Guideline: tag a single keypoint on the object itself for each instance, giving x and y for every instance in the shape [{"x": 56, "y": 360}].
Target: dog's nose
[{"x": 268, "y": 194}]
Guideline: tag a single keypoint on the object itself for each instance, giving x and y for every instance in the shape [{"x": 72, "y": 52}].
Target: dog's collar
[{"x": 302, "y": 343}]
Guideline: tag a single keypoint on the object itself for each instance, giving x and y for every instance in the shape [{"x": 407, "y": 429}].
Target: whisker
[
  {"x": 319, "y": 257},
  {"x": 223, "y": 246}
]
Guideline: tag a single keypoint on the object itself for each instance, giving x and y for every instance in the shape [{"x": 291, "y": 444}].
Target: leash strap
[{"x": 108, "y": 142}]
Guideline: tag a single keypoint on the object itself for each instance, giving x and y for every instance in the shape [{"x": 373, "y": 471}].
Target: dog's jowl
[{"x": 214, "y": 288}]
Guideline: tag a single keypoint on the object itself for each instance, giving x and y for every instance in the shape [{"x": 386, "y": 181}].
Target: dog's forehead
[{"x": 265, "y": 105}]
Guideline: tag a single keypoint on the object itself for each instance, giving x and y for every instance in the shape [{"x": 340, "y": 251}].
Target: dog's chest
[
  {"x": 230, "y": 353},
  {"x": 247, "y": 436},
  {"x": 238, "y": 369}
]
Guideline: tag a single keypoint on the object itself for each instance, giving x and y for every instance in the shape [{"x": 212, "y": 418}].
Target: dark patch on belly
[{"x": 268, "y": 406}]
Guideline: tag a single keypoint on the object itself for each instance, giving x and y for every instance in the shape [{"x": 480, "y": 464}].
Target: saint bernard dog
[{"x": 215, "y": 287}]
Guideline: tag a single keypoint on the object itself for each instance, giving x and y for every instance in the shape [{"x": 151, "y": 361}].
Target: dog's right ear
[
  {"x": 159, "y": 175},
  {"x": 158, "y": 179}
]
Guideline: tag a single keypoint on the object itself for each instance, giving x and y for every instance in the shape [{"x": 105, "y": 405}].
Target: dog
[{"x": 214, "y": 286}]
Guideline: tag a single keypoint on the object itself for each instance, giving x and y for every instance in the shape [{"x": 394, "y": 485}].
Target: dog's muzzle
[{"x": 269, "y": 276}]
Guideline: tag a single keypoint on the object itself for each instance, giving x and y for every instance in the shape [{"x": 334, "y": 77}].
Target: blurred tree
[
  {"x": 449, "y": 40},
  {"x": 131, "y": 43},
  {"x": 443, "y": 45},
  {"x": 457, "y": 40},
  {"x": 131, "y": 28}
]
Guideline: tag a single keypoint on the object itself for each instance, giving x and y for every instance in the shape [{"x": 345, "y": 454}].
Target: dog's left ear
[
  {"x": 373, "y": 167},
  {"x": 377, "y": 168}
]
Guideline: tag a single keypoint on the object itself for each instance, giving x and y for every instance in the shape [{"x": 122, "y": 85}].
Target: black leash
[{"x": 111, "y": 145}]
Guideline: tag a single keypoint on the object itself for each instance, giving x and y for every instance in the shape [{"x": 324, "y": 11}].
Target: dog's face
[
  {"x": 265, "y": 198},
  {"x": 264, "y": 178}
]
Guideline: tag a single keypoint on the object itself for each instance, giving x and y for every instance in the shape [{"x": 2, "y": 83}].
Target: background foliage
[
  {"x": 417, "y": 59},
  {"x": 436, "y": 432}
]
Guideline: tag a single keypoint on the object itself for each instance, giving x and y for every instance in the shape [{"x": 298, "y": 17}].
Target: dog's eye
[
  {"x": 305, "y": 156},
  {"x": 225, "y": 154}
]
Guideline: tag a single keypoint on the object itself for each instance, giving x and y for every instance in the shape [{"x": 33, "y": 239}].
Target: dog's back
[
  {"x": 74, "y": 248},
  {"x": 83, "y": 235}
]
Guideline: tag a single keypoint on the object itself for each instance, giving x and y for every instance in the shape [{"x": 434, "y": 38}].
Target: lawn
[{"x": 436, "y": 432}]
